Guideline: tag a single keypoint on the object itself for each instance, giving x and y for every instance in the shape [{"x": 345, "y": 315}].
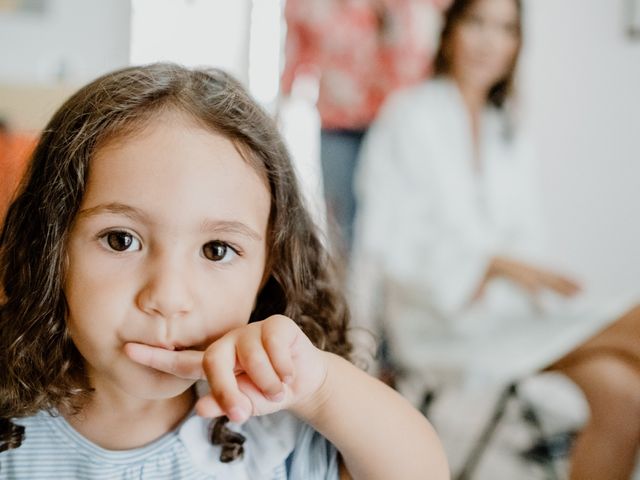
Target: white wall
[
  {"x": 71, "y": 41},
  {"x": 193, "y": 33},
  {"x": 581, "y": 85}
]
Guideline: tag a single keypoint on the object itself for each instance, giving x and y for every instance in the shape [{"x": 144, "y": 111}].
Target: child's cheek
[{"x": 227, "y": 316}]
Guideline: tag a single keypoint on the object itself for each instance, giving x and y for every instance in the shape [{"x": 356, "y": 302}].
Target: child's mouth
[
  {"x": 198, "y": 348},
  {"x": 175, "y": 348}
]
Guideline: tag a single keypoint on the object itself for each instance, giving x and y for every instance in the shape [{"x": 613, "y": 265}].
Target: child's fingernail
[
  {"x": 278, "y": 397},
  {"x": 237, "y": 415}
]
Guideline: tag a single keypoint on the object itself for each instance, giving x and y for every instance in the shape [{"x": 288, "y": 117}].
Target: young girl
[{"x": 160, "y": 238}]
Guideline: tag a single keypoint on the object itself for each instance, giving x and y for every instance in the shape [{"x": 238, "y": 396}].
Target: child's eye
[
  {"x": 120, "y": 241},
  {"x": 218, "y": 251}
]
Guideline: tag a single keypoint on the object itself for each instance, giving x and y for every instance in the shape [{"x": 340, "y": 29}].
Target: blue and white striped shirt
[{"x": 278, "y": 447}]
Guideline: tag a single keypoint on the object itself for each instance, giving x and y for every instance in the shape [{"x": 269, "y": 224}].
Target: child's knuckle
[
  {"x": 271, "y": 339},
  {"x": 255, "y": 360}
]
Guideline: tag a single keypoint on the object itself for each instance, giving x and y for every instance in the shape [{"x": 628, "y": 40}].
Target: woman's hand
[
  {"x": 256, "y": 369},
  {"x": 532, "y": 278}
]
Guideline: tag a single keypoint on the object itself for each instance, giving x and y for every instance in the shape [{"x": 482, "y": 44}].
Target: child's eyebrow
[
  {"x": 229, "y": 226},
  {"x": 117, "y": 208},
  {"x": 207, "y": 226}
]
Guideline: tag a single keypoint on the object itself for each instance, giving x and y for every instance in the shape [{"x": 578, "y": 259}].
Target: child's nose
[{"x": 167, "y": 290}]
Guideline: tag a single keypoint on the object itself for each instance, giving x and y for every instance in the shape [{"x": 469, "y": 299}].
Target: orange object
[{"x": 15, "y": 150}]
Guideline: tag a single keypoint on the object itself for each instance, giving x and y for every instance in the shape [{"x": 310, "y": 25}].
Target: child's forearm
[{"x": 378, "y": 433}]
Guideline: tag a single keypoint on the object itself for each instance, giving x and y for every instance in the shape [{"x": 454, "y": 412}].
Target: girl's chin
[{"x": 157, "y": 385}]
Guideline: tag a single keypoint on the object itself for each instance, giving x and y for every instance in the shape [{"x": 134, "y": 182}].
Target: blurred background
[
  {"x": 578, "y": 82},
  {"x": 578, "y": 90}
]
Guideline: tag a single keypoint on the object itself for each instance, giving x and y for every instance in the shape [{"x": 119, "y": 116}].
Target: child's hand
[{"x": 256, "y": 369}]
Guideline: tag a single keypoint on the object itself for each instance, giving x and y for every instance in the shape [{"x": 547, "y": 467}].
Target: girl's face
[
  {"x": 484, "y": 43},
  {"x": 168, "y": 249}
]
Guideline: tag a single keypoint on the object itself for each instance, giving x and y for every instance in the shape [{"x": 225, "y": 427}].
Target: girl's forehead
[
  {"x": 173, "y": 118},
  {"x": 174, "y": 167}
]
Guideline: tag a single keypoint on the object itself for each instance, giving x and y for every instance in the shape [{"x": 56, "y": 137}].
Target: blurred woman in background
[{"x": 448, "y": 224}]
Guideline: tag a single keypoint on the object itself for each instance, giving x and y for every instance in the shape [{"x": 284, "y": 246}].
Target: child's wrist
[{"x": 311, "y": 407}]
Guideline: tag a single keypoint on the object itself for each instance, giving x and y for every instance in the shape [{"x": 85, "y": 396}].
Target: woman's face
[{"x": 484, "y": 43}]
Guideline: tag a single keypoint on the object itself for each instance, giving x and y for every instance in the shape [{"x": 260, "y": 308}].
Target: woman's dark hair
[
  {"x": 501, "y": 91},
  {"x": 40, "y": 368}
]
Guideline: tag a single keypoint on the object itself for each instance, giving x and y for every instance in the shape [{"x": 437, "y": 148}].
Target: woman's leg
[
  {"x": 606, "y": 448},
  {"x": 607, "y": 369}
]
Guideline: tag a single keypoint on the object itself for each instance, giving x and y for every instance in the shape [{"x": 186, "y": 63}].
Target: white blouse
[{"x": 427, "y": 226}]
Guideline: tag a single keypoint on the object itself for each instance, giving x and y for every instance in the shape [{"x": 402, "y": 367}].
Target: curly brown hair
[
  {"x": 503, "y": 89},
  {"x": 40, "y": 368}
]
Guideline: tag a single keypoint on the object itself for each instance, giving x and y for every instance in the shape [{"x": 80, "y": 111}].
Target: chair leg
[
  {"x": 486, "y": 435},
  {"x": 547, "y": 455}
]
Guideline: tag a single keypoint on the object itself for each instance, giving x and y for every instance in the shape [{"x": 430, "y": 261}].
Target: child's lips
[
  {"x": 199, "y": 348},
  {"x": 180, "y": 348},
  {"x": 171, "y": 346}
]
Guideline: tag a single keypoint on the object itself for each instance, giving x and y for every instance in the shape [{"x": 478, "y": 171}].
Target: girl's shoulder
[
  {"x": 52, "y": 448},
  {"x": 277, "y": 447}
]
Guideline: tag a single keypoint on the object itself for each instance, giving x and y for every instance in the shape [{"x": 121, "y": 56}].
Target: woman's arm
[{"x": 530, "y": 277}]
